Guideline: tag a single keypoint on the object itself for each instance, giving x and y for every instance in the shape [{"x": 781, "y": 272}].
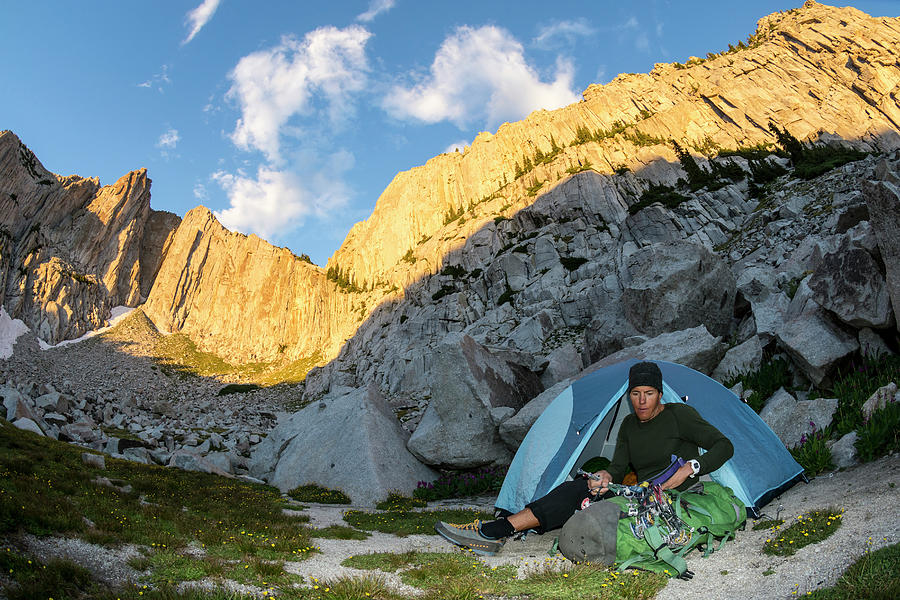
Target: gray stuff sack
[{"x": 590, "y": 534}]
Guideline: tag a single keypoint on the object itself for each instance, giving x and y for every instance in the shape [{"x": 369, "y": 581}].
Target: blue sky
[{"x": 289, "y": 118}]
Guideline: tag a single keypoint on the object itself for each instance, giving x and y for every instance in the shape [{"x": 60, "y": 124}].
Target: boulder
[
  {"x": 769, "y": 312},
  {"x": 562, "y": 363},
  {"x": 351, "y": 443},
  {"x": 222, "y": 460},
  {"x": 26, "y": 424},
  {"x": 456, "y": 429},
  {"x": 677, "y": 285},
  {"x": 694, "y": 348},
  {"x": 607, "y": 333},
  {"x": 850, "y": 284},
  {"x": 791, "y": 419},
  {"x": 513, "y": 430},
  {"x": 93, "y": 460},
  {"x": 814, "y": 342},
  {"x": 743, "y": 358},
  {"x": 871, "y": 344},
  {"x": 843, "y": 451},
  {"x": 16, "y": 404},
  {"x": 878, "y": 400},
  {"x": 184, "y": 459},
  {"x": 883, "y": 200}
]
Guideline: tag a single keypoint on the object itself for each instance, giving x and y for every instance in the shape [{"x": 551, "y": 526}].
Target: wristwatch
[{"x": 695, "y": 465}]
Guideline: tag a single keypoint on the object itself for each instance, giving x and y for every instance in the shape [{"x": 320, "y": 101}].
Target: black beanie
[{"x": 644, "y": 373}]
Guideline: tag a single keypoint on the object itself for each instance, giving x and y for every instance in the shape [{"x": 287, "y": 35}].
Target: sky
[{"x": 288, "y": 118}]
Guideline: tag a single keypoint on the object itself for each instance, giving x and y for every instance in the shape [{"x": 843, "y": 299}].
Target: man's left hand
[{"x": 679, "y": 477}]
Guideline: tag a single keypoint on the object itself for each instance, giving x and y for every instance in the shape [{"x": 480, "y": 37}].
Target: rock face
[
  {"x": 69, "y": 249},
  {"x": 240, "y": 297},
  {"x": 883, "y": 201},
  {"x": 678, "y": 285}
]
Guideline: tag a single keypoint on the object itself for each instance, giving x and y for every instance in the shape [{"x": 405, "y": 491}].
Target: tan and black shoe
[{"x": 470, "y": 536}]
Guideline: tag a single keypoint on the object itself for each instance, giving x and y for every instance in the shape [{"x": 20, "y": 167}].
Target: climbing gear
[
  {"x": 469, "y": 535},
  {"x": 655, "y": 528}
]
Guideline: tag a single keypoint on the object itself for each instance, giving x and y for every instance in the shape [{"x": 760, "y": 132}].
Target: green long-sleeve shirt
[{"x": 678, "y": 429}]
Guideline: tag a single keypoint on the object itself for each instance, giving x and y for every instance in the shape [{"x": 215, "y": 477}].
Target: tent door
[{"x": 603, "y": 440}]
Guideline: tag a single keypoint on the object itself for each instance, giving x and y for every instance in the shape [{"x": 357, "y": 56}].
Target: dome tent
[{"x": 583, "y": 422}]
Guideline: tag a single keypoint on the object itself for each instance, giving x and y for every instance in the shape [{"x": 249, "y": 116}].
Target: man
[{"x": 647, "y": 440}]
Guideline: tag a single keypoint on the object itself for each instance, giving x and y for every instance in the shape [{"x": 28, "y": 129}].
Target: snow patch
[
  {"x": 10, "y": 330},
  {"x": 116, "y": 315}
]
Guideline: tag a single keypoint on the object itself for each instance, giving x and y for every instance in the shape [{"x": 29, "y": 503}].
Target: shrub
[
  {"x": 237, "y": 388},
  {"x": 881, "y": 435},
  {"x": 812, "y": 452},
  {"x": 572, "y": 263},
  {"x": 316, "y": 493},
  {"x": 445, "y": 290},
  {"x": 821, "y": 159},
  {"x": 454, "y": 271},
  {"x": 662, "y": 193},
  {"x": 856, "y": 384},
  {"x": 764, "y": 382},
  {"x": 461, "y": 484},
  {"x": 506, "y": 296}
]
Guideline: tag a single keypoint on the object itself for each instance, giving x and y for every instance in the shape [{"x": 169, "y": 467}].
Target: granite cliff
[{"x": 72, "y": 250}]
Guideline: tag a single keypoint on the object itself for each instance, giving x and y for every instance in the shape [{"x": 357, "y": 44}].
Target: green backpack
[{"x": 712, "y": 512}]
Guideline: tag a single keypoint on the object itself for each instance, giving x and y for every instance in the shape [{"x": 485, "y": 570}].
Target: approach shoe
[{"x": 470, "y": 536}]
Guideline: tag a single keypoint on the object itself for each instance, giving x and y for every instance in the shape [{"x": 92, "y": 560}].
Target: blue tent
[{"x": 583, "y": 422}]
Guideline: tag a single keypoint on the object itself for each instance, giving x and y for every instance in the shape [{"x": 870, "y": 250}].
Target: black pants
[{"x": 560, "y": 503}]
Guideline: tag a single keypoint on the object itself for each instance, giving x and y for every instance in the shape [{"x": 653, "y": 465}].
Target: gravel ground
[{"x": 869, "y": 495}]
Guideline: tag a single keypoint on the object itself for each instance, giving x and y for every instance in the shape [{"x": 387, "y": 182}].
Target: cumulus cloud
[
  {"x": 319, "y": 73},
  {"x": 460, "y": 145},
  {"x": 199, "y": 17},
  {"x": 481, "y": 74},
  {"x": 275, "y": 202},
  {"x": 563, "y": 32},
  {"x": 376, "y": 7},
  {"x": 168, "y": 140}
]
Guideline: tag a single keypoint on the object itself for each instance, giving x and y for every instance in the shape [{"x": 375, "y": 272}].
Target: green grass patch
[
  {"x": 58, "y": 579},
  {"x": 767, "y": 524},
  {"x": 402, "y": 523},
  {"x": 464, "y": 576},
  {"x": 874, "y": 576},
  {"x": 45, "y": 489},
  {"x": 806, "y": 530},
  {"x": 397, "y": 501},
  {"x": 311, "y": 492}
]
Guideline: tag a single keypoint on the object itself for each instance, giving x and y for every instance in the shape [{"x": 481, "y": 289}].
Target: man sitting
[{"x": 647, "y": 440}]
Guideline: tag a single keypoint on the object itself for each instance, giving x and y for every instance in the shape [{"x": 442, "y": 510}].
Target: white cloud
[
  {"x": 376, "y": 7},
  {"x": 276, "y": 202},
  {"x": 271, "y": 86},
  {"x": 642, "y": 42},
  {"x": 460, "y": 145},
  {"x": 481, "y": 74},
  {"x": 169, "y": 139},
  {"x": 199, "y": 17},
  {"x": 158, "y": 80},
  {"x": 563, "y": 32},
  {"x": 200, "y": 192}
]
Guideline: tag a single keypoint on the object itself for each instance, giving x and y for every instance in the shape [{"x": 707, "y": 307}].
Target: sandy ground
[{"x": 869, "y": 495}]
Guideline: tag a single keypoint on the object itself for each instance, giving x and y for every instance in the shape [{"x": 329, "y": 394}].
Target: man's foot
[{"x": 470, "y": 536}]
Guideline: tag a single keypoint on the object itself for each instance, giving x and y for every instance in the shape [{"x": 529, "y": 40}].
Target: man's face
[{"x": 646, "y": 402}]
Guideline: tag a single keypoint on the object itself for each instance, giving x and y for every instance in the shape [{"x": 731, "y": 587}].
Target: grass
[
  {"x": 315, "y": 493},
  {"x": 178, "y": 355},
  {"x": 397, "y": 501},
  {"x": 462, "y": 484},
  {"x": 464, "y": 576},
  {"x": 767, "y": 524},
  {"x": 808, "y": 529},
  {"x": 403, "y": 523},
  {"x": 874, "y": 576},
  {"x": 340, "y": 532},
  {"x": 855, "y": 384},
  {"x": 168, "y": 510},
  {"x": 812, "y": 453}
]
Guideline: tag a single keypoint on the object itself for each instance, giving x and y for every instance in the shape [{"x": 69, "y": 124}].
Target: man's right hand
[{"x": 601, "y": 484}]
